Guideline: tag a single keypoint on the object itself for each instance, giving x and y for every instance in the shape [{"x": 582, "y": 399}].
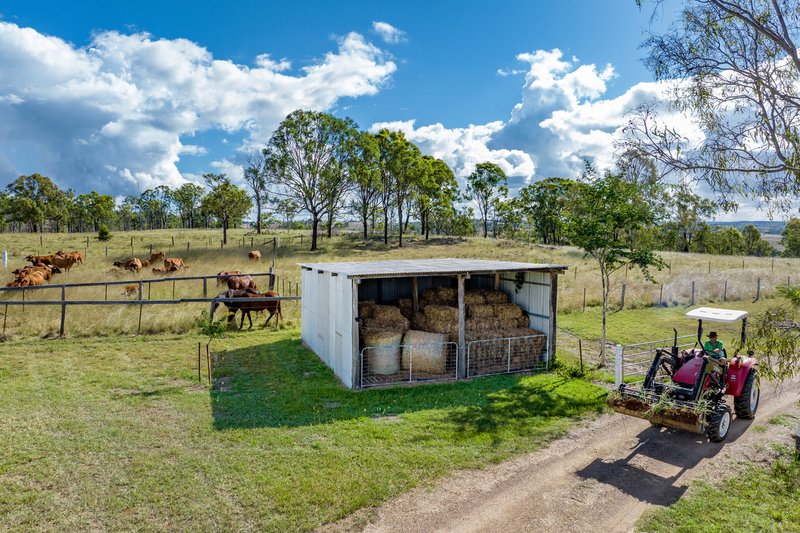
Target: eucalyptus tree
[
  {"x": 225, "y": 201},
  {"x": 339, "y": 180},
  {"x": 256, "y": 174},
  {"x": 487, "y": 184},
  {"x": 401, "y": 166},
  {"x": 34, "y": 200},
  {"x": 544, "y": 206},
  {"x": 188, "y": 198},
  {"x": 732, "y": 69},
  {"x": 301, "y": 150},
  {"x": 366, "y": 179},
  {"x": 437, "y": 186}
]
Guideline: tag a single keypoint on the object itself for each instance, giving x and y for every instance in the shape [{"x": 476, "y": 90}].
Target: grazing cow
[
  {"x": 254, "y": 255},
  {"x": 222, "y": 277},
  {"x": 160, "y": 271},
  {"x": 47, "y": 271},
  {"x": 273, "y": 306},
  {"x": 240, "y": 283},
  {"x": 145, "y": 263},
  {"x": 64, "y": 261},
  {"x": 76, "y": 256},
  {"x": 157, "y": 256},
  {"x": 176, "y": 262},
  {"x": 44, "y": 259},
  {"x": 130, "y": 290},
  {"x": 28, "y": 279},
  {"x": 133, "y": 264}
]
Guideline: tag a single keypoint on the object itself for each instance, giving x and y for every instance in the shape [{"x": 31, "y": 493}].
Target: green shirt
[{"x": 711, "y": 346}]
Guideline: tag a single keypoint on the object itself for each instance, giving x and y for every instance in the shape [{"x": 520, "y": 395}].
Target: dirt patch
[
  {"x": 599, "y": 477},
  {"x": 388, "y": 418}
]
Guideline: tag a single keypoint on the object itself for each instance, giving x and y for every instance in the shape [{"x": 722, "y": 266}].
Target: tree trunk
[
  {"x": 258, "y": 215},
  {"x": 365, "y": 221},
  {"x": 385, "y": 226},
  {"x": 314, "y": 228},
  {"x": 485, "y": 226},
  {"x": 330, "y": 224},
  {"x": 400, "y": 223},
  {"x": 605, "y": 283},
  {"x": 427, "y": 225}
]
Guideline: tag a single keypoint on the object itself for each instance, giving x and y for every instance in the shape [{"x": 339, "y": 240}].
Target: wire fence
[{"x": 632, "y": 361}]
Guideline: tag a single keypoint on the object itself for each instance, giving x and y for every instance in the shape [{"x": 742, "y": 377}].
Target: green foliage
[
  {"x": 34, "y": 200},
  {"x": 227, "y": 202},
  {"x": 103, "y": 234},
  {"x": 544, "y": 206},
  {"x": 188, "y": 198},
  {"x": 212, "y": 329},
  {"x": 486, "y": 186},
  {"x": 791, "y": 238}
]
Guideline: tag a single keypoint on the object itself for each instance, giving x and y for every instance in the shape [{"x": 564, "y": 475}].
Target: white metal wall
[
  {"x": 534, "y": 297},
  {"x": 327, "y": 321}
]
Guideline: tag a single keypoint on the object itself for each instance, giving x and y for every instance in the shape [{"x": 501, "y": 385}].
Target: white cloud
[
  {"x": 388, "y": 33},
  {"x": 125, "y": 101}
]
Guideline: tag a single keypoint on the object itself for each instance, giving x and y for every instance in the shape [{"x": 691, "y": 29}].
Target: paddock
[{"x": 390, "y": 322}]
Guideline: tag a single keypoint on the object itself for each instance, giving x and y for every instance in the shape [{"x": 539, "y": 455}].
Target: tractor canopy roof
[{"x": 714, "y": 314}]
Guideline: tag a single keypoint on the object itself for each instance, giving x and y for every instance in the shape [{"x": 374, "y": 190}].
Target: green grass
[
  {"x": 116, "y": 434},
  {"x": 756, "y": 499}
]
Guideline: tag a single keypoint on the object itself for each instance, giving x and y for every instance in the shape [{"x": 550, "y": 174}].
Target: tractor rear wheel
[
  {"x": 746, "y": 403},
  {"x": 718, "y": 423}
]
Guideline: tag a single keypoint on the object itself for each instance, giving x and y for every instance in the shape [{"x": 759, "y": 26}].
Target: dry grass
[{"x": 206, "y": 258}]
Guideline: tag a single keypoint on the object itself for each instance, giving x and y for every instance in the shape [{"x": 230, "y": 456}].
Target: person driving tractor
[{"x": 714, "y": 348}]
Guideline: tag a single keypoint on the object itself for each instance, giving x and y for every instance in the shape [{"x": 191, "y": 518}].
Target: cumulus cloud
[
  {"x": 388, "y": 33},
  {"x": 116, "y": 110}
]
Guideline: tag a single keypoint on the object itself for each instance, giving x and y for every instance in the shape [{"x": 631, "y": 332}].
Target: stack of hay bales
[{"x": 489, "y": 316}]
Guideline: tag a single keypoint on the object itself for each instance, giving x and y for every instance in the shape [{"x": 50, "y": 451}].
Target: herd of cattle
[
  {"x": 242, "y": 289},
  {"x": 43, "y": 267}
]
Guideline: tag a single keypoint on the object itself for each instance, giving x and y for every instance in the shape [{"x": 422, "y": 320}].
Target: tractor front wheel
[
  {"x": 718, "y": 423},
  {"x": 746, "y": 403}
]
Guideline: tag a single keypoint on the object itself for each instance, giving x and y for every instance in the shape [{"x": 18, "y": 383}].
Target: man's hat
[{"x": 712, "y": 334}]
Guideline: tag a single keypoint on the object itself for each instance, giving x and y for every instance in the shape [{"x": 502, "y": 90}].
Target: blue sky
[{"x": 124, "y": 96}]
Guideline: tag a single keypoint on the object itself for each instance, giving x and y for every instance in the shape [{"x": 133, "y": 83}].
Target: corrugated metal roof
[{"x": 429, "y": 267}]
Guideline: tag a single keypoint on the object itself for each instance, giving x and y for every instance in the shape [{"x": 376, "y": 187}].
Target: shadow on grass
[{"x": 281, "y": 384}]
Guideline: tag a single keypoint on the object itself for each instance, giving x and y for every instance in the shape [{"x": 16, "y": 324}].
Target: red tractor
[{"x": 686, "y": 389}]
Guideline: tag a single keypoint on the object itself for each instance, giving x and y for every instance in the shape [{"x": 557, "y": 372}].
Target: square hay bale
[
  {"x": 365, "y": 308},
  {"x": 420, "y": 322},
  {"x": 507, "y": 310},
  {"x": 440, "y": 296},
  {"x": 424, "y": 352},
  {"x": 480, "y": 310},
  {"x": 523, "y": 321},
  {"x": 388, "y": 317},
  {"x": 441, "y": 313},
  {"x": 474, "y": 297},
  {"x": 383, "y": 354},
  {"x": 493, "y": 296},
  {"x": 497, "y": 326}
]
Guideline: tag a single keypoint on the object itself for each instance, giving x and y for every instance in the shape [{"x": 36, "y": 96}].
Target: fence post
[
  {"x": 580, "y": 354},
  {"x": 618, "y": 377},
  {"x": 584, "y": 299},
  {"x": 221, "y": 245},
  {"x": 622, "y": 298},
  {"x": 758, "y": 289},
  {"x": 725, "y": 292},
  {"x": 139, "y": 327},
  {"x": 709, "y": 267},
  {"x": 5, "y": 318},
  {"x": 692, "y": 292},
  {"x": 173, "y": 240},
  {"x": 63, "y": 311},
  {"x": 106, "y": 250},
  {"x": 205, "y": 287},
  {"x": 661, "y": 295},
  {"x": 151, "y": 250},
  {"x": 5, "y": 259},
  {"x": 187, "y": 246}
]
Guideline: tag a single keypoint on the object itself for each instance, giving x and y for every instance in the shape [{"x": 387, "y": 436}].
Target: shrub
[{"x": 104, "y": 234}]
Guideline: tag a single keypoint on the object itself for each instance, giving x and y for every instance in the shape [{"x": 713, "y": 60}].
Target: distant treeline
[{"x": 324, "y": 167}]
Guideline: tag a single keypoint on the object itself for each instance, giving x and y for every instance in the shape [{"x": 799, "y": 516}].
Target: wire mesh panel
[
  {"x": 504, "y": 355},
  {"x": 637, "y": 358},
  {"x": 408, "y": 363}
]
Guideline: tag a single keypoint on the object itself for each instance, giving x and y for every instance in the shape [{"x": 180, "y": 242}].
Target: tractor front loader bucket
[{"x": 658, "y": 410}]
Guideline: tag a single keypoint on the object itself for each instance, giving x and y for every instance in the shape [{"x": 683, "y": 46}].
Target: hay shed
[{"x": 343, "y": 303}]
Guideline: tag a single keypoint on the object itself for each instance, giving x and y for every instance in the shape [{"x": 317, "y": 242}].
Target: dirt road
[{"x": 597, "y": 478}]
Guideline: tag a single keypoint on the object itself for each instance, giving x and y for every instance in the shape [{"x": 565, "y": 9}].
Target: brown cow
[
  {"x": 64, "y": 261},
  {"x": 273, "y": 306},
  {"x": 47, "y": 271},
  {"x": 160, "y": 271},
  {"x": 157, "y": 256},
  {"x": 44, "y": 259},
  {"x": 28, "y": 279},
  {"x": 130, "y": 290},
  {"x": 240, "y": 283},
  {"x": 145, "y": 263},
  {"x": 76, "y": 256},
  {"x": 176, "y": 262},
  {"x": 254, "y": 255},
  {"x": 222, "y": 277}
]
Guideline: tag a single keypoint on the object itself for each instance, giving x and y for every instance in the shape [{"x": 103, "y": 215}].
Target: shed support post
[
  {"x": 415, "y": 294},
  {"x": 497, "y": 281},
  {"x": 618, "y": 377},
  {"x": 356, "y": 372},
  {"x": 551, "y": 335},
  {"x": 462, "y": 333}
]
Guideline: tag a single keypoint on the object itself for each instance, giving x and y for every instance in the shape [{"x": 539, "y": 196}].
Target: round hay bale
[
  {"x": 424, "y": 352},
  {"x": 480, "y": 310},
  {"x": 474, "y": 297},
  {"x": 507, "y": 311},
  {"x": 383, "y": 355},
  {"x": 365, "y": 308},
  {"x": 493, "y": 296}
]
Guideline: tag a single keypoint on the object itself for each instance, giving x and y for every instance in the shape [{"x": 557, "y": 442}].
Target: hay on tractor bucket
[
  {"x": 365, "y": 308},
  {"x": 406, "y": 306},
  {"x": 493, "y": 296},
  {"x": 440, "y": 296},
  {"x": 480, "y": 310},
  {"x": 506, "y": 310},
  {"x": 474, "y": 297},
  {"x": 424, "y": 352},
  {"x": 383, "y": 353}
]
